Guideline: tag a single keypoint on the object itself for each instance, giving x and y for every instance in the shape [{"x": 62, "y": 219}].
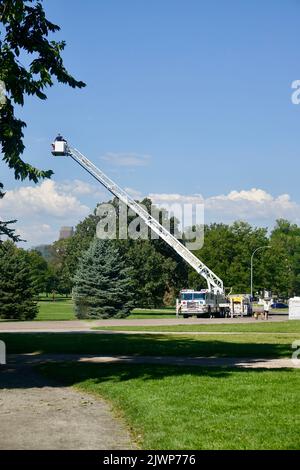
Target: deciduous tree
[{"x": 24, "y": 38}]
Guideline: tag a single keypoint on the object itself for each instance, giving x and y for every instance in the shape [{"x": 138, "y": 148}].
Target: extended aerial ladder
[{"x": 60, "y": 147}]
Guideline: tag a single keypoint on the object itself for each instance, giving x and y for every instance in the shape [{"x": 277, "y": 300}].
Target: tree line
[
  {"x": 150, "y": 272},
  {"x": 159, "y": 273}
]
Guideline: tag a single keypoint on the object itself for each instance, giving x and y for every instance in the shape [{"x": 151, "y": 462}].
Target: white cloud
[
  {"x": 254, "y": 195},
  {"x": 45, "y": 199},
  {"x": 41, "y": 210},
  {"x": 126, "y": 159},
  {"x": 255, "y": 205},
  {"x": 80, "y": 188},
  {"x": 36, "y": 233},
  {"x": 134, "y": 193},
  {"x": 159, "y": 199},
  {"x": 252, "y": 205}
]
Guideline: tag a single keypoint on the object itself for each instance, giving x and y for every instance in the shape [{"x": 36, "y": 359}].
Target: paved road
[
  {"x": 37, "y": 413},
  {"x": 81, "y": 326}
]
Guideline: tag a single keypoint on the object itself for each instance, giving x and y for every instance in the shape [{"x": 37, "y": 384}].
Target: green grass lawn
[
  {"x": 141, "y": 313},
  {"x": 291, "y": 326},
  {"x": 62, "y": 309},
  {"x": 250, "y": 345},
  {"x": 195, "y": 408}
]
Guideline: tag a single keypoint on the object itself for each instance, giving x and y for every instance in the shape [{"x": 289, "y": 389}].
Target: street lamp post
[{"x": 255, "y": 251}]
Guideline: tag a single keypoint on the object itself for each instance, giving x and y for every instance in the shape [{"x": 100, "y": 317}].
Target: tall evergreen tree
[
  {"x": 103, "y": 285},
  {"x": 16, "y": 285},
  {"x": 39, "y": 270}
]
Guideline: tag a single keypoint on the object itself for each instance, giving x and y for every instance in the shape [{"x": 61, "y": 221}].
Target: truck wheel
[{"x": 185, "y": 316}]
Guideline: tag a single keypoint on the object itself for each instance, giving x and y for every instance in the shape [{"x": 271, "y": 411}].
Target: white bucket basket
[{"x": 59, "y": 148}]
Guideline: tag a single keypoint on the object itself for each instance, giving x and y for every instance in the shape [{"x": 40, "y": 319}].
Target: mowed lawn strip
[
  {"x": 63, "y": 309},
  {"x": 55, "y": 310},
  {"x": 291, "y": 326},
  {"x": 171, "y": 407},
  {"x": 271, "y": 345},
  {"x": 151, "y": 313}
]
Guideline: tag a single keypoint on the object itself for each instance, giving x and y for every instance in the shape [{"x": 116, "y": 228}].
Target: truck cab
[{"x": 199, "y": 303}]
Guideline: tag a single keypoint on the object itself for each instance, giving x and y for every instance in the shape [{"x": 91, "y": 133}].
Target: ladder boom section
[{"x": 214, "y": 282}]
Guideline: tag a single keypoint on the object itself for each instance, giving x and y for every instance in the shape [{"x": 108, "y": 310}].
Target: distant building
[{"x": 66, "y": 232}]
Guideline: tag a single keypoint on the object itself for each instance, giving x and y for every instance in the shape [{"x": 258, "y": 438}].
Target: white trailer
[
  {"x": 294, "y": 308},
  {"x": 214, "y": 296}
]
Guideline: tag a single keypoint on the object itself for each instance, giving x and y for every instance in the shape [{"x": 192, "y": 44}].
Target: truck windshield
[
  {"x": 192, "y": 296},
  {"x": 187, "y": 296},
  {"x": 199, "y": 296}
]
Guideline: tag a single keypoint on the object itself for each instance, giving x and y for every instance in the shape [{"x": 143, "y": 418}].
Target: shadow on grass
[
  {"x": 71, "y": 374},
  {"x": 57, "y": 374},
  {"x": 59, "y": 347},
  {"x": 146, "y": 345}
]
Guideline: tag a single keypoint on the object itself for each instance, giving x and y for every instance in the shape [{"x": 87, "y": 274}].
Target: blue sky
[{"x": 182, "y": 98}]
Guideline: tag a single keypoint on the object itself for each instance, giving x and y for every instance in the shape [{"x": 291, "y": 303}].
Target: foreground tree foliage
[
  {"x": 24, "y": 34},
  {"x": 6, "y": 227},
  {"x": 17, "y": 288},
  {"x": 103, "y": 285}
]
